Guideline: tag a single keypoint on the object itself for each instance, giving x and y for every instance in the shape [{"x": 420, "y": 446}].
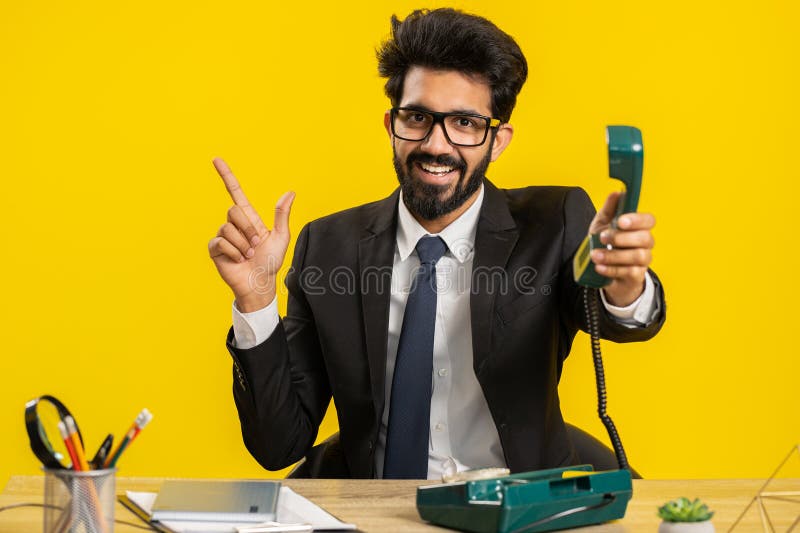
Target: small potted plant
[{"x": 685, "y": 516}]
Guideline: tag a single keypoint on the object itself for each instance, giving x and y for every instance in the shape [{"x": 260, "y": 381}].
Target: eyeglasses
[{"x": 460, "y": 129}]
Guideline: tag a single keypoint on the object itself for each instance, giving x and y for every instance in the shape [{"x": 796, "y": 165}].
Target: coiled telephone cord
[{"x": 590, "y": 305}]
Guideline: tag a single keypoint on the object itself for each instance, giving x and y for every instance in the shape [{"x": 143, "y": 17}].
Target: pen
[
  {"x": 138, "y": 425},
  {"x": 102, "y": 452}
]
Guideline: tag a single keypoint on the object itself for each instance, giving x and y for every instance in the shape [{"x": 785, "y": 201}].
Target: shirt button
[
  {"x": 442, "y": 372},
  {"x": 439, "y": 426}
]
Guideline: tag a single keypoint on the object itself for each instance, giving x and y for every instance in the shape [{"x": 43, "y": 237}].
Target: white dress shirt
[{"x": 462, "y": 433}]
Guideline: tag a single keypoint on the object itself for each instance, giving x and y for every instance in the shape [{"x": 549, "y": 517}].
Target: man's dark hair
[{"x": 447, "y": 39}]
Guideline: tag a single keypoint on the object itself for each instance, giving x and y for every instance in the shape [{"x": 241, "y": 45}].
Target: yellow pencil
[{"x": 72, "y": 429}]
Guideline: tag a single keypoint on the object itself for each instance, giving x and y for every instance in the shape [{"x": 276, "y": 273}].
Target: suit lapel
[
  {"x": 375, "y": 261},
  {"x": 495, "y": 239}
]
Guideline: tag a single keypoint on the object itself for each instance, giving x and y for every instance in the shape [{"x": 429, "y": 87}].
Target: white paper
[{"x": 292, "y": 509}]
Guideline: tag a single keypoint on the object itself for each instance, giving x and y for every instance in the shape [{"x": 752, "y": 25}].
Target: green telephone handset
[{"x": 625, "y": 162}]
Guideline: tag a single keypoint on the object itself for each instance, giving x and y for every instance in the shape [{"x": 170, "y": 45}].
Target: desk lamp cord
[{"x": 49, "y": 506}]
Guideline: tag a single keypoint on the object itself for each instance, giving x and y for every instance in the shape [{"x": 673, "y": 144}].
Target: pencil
[
  {"x": 138, "y": 425},
  {"x": 72, "y": 429},
  {"x": 62, "y": 428}
]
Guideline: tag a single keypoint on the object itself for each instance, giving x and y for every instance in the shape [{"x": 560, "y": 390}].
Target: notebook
[
  {"x": 292, "y": 509},
  {"x": 217, "y": 501}
]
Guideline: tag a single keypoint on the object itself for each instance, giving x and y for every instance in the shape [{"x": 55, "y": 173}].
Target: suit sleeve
[
  {"x": 578, "y": 213},
  {"x": 280, "y": 386}
]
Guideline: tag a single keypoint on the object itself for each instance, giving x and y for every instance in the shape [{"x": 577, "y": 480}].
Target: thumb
[
  {"x": 282, "y": 210},
  {"x": 606, "y": 214}
]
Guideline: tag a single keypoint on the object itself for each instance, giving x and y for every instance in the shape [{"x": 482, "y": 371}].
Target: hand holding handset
[
  {"x": 625, "y": 163},
  {"x": 558, "y": 498}
]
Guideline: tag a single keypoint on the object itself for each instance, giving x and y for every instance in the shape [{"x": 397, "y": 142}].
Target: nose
[{"x": 436, "y": 142}]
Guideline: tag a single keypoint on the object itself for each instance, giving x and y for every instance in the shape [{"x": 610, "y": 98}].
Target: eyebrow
[{"x": 463, "y": 111}]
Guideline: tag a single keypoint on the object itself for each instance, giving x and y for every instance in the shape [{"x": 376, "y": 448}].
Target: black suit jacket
[{"x": 525, "y": 310}]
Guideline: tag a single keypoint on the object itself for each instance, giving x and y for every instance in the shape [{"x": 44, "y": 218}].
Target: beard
[{"x": 430, "y": 201}]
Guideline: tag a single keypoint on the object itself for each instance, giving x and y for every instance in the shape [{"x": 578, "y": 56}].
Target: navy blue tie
[{"x": 410, "y": 402}]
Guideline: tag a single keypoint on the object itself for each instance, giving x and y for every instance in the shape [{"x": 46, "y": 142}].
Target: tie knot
[{"x": 430, "y": 249}]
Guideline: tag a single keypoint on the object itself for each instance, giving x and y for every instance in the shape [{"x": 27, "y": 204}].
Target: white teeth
[{"x": 436, "y": 169}]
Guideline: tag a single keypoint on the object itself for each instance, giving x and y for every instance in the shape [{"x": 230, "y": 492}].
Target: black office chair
[{"x": 326, "y": 459}]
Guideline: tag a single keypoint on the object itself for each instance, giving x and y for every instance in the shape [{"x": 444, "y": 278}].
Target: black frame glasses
[{"x": 439, "y": 118}]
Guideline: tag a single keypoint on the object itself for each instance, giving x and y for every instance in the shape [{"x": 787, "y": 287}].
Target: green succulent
[{"x": 684, "y": 510}]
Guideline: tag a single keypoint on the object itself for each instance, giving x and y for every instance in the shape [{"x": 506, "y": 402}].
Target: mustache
[{"x": 441, "y": 159}]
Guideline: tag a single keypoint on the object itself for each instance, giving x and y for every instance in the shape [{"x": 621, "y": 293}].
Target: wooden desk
[{"x": 388, "y": 506}]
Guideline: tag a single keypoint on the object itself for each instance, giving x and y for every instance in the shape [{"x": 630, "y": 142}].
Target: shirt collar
[{"x": 459, "y": 236}]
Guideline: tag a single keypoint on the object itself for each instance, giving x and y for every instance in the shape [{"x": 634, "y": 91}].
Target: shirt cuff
[
  {"x": 641, "y": 311},
  {"x": 251, "y": 329}
]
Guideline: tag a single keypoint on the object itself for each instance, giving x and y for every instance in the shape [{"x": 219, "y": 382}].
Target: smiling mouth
[{"x": 436, "y": 170}]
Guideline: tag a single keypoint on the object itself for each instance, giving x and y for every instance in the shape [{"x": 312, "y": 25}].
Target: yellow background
[{"x": 112, "y": 112}]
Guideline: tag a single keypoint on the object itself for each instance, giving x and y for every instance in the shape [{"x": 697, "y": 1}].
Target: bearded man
[{"x": 438, "y": 319}]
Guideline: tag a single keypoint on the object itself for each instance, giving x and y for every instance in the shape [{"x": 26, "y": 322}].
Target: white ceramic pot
[{"x": 686, "y": 527}]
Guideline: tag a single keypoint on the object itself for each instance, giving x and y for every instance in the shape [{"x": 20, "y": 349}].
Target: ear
[
  {"x": 501, "y": 140},
  {"x": 387, "y": 119}
]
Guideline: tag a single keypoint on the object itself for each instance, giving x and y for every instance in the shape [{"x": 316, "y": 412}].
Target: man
[{"x": 455, "y": 362}]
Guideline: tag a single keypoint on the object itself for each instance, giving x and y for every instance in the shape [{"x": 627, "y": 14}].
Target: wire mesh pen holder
[{"x": 79, "y": 501}]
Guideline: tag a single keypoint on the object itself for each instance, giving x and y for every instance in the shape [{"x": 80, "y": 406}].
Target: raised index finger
[{"x": 231, "y": 183}]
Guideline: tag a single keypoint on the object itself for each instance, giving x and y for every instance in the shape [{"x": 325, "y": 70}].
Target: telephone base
[{"x": 543, "y": 500}]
